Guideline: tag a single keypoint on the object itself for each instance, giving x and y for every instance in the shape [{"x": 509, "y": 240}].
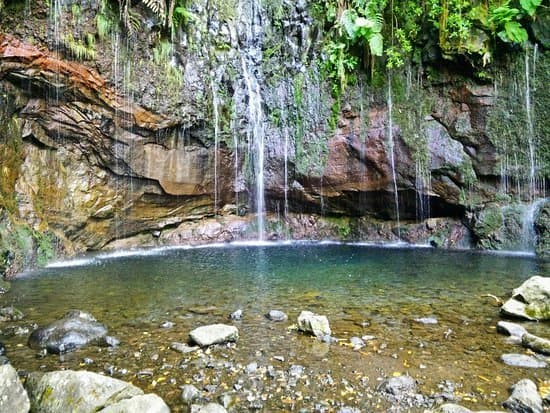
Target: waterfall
[
  {"x": 215, "y": 103},
  {"x": 530, "y": 126},
  {"x": 528, "y": 235},
  {"x": 392, "y": 155},
  {"x": 251, "y": 58}
]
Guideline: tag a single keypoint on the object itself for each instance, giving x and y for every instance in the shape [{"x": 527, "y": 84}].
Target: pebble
[
  {"x": 183, "y": 348},
  {"x": 522, "y": 360},
  {"x": 251, "y": 368},
  {"x": 357, "y": 343},
  {"x": 276, "y": 315},
  {"x": 236, "y": 315},
  {"x": 167, "y": 324},
  {"x": 426, "y": 320}
]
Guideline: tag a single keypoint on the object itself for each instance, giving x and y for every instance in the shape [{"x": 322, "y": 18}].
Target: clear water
[{"x": 363, "y": 290}]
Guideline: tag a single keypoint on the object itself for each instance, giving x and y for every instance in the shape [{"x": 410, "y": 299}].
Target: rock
[
  {"x": 77, "y": 391},
  {"x": 399, "y": 386},
  {"x": 542, "y": 216},
  {"x": 347, "y": 409},
  {"x": 531, "y": 300},
  {"x": 10, "y": 314},
  {"x": 2, "y": 349},
  {"x": 150, "y": 403},
  {"x": 167, "y": 324},
  {"x": 4, "y": 360},
  {"x": 357, "y": 343},
  {"x": 315, "y": 324},
  {"x": 208, "y": 408},
  {"x": 189, "y": 393},
  {"x": 5, "y": 286},
  {"x": 538, "y": 344},
  {"x": 512, "y": 329},
  {"x": 524, "y": 398},
  {"x": 276, "y": 315},
  {"x": 251, "y": 368},
  {"x": 236, "y": 315},
  {"x": 522, "y": 360},
  {"x": 13, "y": 397},
  {"x": 426, "y": 320},
  {"x": 183, "y": 348},
  {"x": 452, "y": 408},
  {"x": 73, "y": 331},
  {"x": 109, "y": 341},
  {"x": 214, "y": 334}
]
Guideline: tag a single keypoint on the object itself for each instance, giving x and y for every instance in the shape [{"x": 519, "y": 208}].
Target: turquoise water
[{"x": 363, "y": 290}]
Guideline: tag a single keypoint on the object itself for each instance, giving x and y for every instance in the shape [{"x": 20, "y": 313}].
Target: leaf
[
  {"x": 530, "y": 6},
  {"x": 515, "y": 32},
  {"x": 376, "y": 44},
  {"x": 348, "y": 22}
]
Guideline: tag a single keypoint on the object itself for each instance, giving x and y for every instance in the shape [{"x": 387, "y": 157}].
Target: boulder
[
  {"x": 77, "y": 392},
  {"x": 150, "y": 403},
  {"x": 512, "y": 329},
  {"x": 531, "y": 300},
  {"x": 315, "y": 324},
  {"x": 76, "y": 329},
  {"x": 524, "y": 398},
  {"x": 13, "y": 397},
  {"x": 276, "y": 315},
  {"x": 214, "y": 334},
  {"x": 535, "y": 343},
  {"x": 522, "y": 360}
]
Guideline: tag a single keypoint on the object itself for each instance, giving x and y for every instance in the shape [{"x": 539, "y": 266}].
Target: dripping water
[
  {"x": 392, "y": 155},
  {"x": 215, "y": 103}
]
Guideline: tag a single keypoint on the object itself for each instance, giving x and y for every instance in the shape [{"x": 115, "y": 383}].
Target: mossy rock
[{"x": 542, "y": 229}]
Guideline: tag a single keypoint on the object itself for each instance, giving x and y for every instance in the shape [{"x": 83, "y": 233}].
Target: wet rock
[
  {"x": 399, "y": 386},
  {"x": 315, "y": 324},
  {"x": 73, "y": 331},
  {"x": 81, "y": 391},
  {"x": 189, "y": 393},
  {"x": 2, "y": 349},
  {"x": 4, "y": 360},
  {"x": 512, "y": 329},
  {"x": 357, "y": 343},
  {"x": 183, "y": 348},
  {"x": 524, "y": 398},
  {"x": 530, "y": 301},
  {"x": 426, "y": 320},
  {"x": 452, "y": 408},
  {"x": 5, "y": 286},
  {"x": 535, "y": 343},
  {"x": 208, "y": 408},
  {"x": 236, "y": 315},
  {"x": 276, "y": 315},
  {"x": 522, "y": 360},
  {"x": 214, "y": 334},
  {"x": 347, "y": 409},
  {"x": 251, "y": 368},
  {"x": 167, "y": 324},
  {"x": 10, "y": 314},
  {"x": 150, "y": 403},
  {"x": 13, "y": 397},
  {"x": 109, "y": 341}
]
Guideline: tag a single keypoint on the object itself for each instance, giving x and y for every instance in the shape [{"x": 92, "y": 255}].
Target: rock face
[
  {"x": 100, "y": 169},
  {"x": 73, "y": 331},
  {"x": 315, "y": 324},
  {"x": 524, "y": 398},
  {"x": 13, "y": 397},
  {"x": 82, "y": 391},
  {"x": 531, "y": 300},
  {"x": 214, "y": 334}
]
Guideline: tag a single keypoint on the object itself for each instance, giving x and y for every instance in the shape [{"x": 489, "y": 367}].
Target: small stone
[
  {"x": 167, "y": 324},
  {"x": 276, "y": 315},
  {"x": 251, "y": 368},
  {"x": 357, "y": 343},
  {"x": 5, "y": 286},
  {"x": 236, "y": 315},
  {"x": 110, "y": 341},
  {"x": 214, "y": 334},
  {"x": 511, "y": 329},
  {"x": 452, "y": 408},
  {"x": 183, "y": 348},
  {"x": 279, "y": 358},
  {"x": 315, "y": 324},
  {"x": 367, "y": 338},
  {"x": 208, "y": 408},
  {"x": 522, "y": 360},
  {"x": 398, "y": 386},
  {"x": 426, "y": 320},
  {"x": 10, "y": 314},
  {"x": 87, "y": 361},
  {"x": 296, "y": 370},
  {"x": 524, "y": 398}
]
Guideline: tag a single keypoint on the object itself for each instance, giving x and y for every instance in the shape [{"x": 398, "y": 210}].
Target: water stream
[{"x": 392, "y": 155}]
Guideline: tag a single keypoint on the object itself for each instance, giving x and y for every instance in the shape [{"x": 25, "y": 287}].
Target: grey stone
[
  {"x": 208, "y": 408},
  {"x": 535, "y": 343},
  {"x": 426, "y": 320},
  {"x": 236, "y": 315},
  {"x": 214, "y": 334},
  {"x": 2, "y": 349},
  {"x": 76, "y": 329},
  {"x": 357, "y": 343},
  {"x": 5, "y": 286},
  {"x": 315, "y": 324},
  {"x": 183, "y": 348},
  {"x": 189, "y": 393},
  {"x": 522, "y": 360},
  {"x": 76, "y": 391},
  {"x": 399, "y": 386},
  {"x": 531, "y": 300},
  {"x": 150, "y": 403},
  {"x": 10, "y": 314},
  {"x": 13, "y": 397},
  {"x": 524, "y": 398},
  {"x": 452, "y": 408},
  {"x": 276, "y": 315},
  {"x": 511, "y": 329}
]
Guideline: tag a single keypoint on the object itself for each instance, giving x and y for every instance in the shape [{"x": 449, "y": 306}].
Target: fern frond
[{"x": 158, "y": 7}]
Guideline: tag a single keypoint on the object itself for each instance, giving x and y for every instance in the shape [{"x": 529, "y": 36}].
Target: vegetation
[{"x": 361, "y": 33}]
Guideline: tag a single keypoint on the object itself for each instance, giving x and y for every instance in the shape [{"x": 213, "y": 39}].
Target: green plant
[{"x": 80, "y": 49}]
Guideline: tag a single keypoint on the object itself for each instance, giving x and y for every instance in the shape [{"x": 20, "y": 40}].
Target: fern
[
  {"x": 158, "y": 7},
  {"x": 79, "y": 49}
]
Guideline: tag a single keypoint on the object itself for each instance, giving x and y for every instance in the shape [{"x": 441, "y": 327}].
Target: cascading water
[
  {"x": 392, "y": 155},
  {"x": 528, "y": 236},
  {"x": 251, "y": 58},
  {"x": 215, "y": 104},
  {"x": 530, "y": 124}
]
